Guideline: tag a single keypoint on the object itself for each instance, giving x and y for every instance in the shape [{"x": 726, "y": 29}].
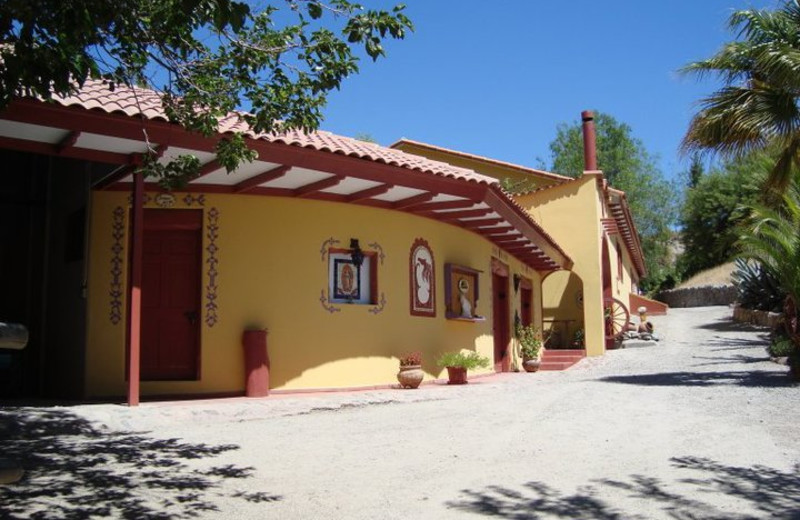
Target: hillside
[{"x": 720, "y": 275}]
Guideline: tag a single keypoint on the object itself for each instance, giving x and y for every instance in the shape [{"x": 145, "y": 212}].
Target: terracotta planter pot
[
  {"x": 531, "y": 364},
  {"x": 456, "y": 376},
  {"x": 410, "y": 376}
]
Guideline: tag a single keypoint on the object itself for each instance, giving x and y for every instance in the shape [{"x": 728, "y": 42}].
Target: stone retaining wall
[
  {"x": 699, "y": 296},
  {"x": 762, "y": 318}
]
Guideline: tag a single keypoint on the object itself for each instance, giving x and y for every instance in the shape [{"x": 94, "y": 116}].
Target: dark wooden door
[
  {"x": 171, "y": 295},
  {"x": 500, "y": 325}
]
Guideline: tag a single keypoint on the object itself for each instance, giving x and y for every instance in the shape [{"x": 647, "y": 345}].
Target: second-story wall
[{"x": 571, "y": 214}]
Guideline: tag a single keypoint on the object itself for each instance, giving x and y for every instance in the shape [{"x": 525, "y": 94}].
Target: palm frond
[
  {"x": 757, "y": 106},
  {"x": 771, "y": 236}
]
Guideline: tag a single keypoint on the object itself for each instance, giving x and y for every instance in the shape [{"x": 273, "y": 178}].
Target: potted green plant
[
  {"x": 457, "y": 364},
  {"x": 411, "y": 374},
  {"x": 579, "y": 339},
  {"x": 530, "y": 346}
]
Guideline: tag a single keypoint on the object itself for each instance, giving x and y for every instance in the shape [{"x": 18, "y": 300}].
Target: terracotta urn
[
  {"x": 456, "y": 376},
  {"x": 531, "y": 364},
  {"x": 410, "y": 376}
]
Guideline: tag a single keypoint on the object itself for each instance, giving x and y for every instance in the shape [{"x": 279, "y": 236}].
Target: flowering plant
[
  {"x": 410, "y": 359},
  {"x": 530, "y": 341}
]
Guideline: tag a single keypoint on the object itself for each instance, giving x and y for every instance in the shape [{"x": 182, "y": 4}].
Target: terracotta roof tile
[{"x": 136, "y": 102}]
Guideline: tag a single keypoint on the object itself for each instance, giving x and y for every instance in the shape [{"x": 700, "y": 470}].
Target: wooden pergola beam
[
  {"x": 314, "y": 187},
  {"x": 69, "y": 141},
  {"x": 412, "y": 201},
  {"x": 261, "y": 178},
  {"x": 454, "y": 215},
  {"x": 475, "y": 224},
  {"x": 369, "y": 193},
  {"x": 448, "y": 204}
]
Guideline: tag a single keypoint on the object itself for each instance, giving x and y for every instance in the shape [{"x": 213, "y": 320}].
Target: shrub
[
  {"x": 757, "y": 287},
  {"x": 780, "y": 347},
  {"x": 579, "y": 339},
  {"x": 470, "y": 360}
]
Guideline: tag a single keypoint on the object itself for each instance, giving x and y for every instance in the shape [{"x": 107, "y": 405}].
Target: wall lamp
[{"x": 356, "y": 254}]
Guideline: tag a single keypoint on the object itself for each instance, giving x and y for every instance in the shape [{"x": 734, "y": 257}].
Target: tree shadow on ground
[
  {"x": 755, "y": 379},
  {"x": 720, "y": 342},
  {"x": 766, "y": 492},
  {"x": 728, "y": 325},
  {"x": 739, "y": 359},
  {"x": 77, "y": 470}
]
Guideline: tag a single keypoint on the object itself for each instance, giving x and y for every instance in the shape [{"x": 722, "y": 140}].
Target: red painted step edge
[{"x": 555, "y": 365}]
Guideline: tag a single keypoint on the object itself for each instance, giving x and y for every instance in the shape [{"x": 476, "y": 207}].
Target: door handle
[{"x": 191, "y": 316}]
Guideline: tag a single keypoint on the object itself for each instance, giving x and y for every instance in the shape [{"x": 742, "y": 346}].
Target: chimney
[{"x": 589, "y": 145}]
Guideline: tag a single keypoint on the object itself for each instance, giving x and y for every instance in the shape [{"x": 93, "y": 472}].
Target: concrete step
[
  {"x": 563, "y": 354},
  {"x": 571, "y": 351},
  {"x": 561, "y": 359},
  {"x": 548, "y": 355}
]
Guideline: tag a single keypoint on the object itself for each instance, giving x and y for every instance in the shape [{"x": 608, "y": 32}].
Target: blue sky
[{"x": 496, "y": 78}]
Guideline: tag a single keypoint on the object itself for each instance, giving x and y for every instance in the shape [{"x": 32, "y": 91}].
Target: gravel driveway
[{"x": 701, "y": 425}]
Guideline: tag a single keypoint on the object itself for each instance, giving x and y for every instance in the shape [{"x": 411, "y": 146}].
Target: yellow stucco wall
[
  {"x": 571, "y": 214},
  {"x": 271, "y": 274},
  {"x": 562, "y": 307},
  {"x": 621, "y": 286},
  {"x": 498, "y": 171}
]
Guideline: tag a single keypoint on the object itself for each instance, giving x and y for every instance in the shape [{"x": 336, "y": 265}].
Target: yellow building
[
  {"x": 589, "y": 304},
  {"x": 347, "y": 253}
]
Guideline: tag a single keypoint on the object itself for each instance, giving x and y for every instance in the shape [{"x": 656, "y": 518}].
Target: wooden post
[{"x": 134, "y": 331}]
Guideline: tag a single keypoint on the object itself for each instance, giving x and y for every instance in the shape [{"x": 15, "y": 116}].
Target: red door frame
[
  {"x": 501, "y": 316},
  {"x": 156, "y": 219}
]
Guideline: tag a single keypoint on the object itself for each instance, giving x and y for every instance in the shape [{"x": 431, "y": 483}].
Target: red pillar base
[{"x": 256, "y": 363}]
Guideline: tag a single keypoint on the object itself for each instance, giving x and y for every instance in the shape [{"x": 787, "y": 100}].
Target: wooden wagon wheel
[{"x": 616, "y": 318}]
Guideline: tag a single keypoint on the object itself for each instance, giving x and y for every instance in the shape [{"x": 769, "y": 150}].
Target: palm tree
[
  {"x": 757, "y": 106},
  {"x": 771, "y": 237}
]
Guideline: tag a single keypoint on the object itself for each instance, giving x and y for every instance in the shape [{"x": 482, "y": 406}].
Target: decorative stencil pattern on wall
[
  {"x": 325, "y": 305},
  {"x": 190, "y": 200},
  {"x": 117, "y": 235},
  {"x": 146, "y": 199},
  {"x": 212, "y": 234},
  {"x": 326, "y": 246},
  {"x": 377, "y": 247},
  {"x": 381, "y": 305}
]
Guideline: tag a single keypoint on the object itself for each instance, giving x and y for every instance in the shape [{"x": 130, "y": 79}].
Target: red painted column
[
  {"x": 256, "y": 363},
  {"x": 134, "y": 331},
  {"x": 589, "y": 145}
]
